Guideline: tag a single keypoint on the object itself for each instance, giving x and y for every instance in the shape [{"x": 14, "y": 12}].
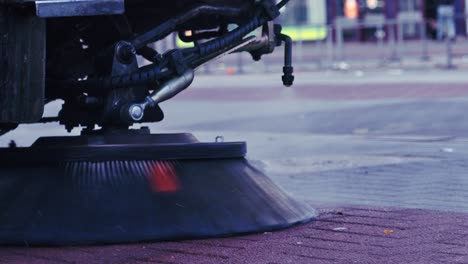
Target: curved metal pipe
[
  {"x": 288, "y": 69},
  {"x": 169, "y": 26},
  {"x": 171, "y": 88}
]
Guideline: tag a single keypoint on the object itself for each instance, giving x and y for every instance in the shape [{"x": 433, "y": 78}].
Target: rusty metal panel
[{"x": 22, "y": 66}]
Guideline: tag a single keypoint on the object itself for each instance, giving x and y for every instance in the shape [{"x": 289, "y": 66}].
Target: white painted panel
[{"x": 317, "y": 11}]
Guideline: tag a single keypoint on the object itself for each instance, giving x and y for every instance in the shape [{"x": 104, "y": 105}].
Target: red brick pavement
[{"x": 340, "y": 235}]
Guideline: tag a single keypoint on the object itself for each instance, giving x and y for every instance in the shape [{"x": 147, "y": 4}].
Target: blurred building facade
[{"x": 366, "y": 20}]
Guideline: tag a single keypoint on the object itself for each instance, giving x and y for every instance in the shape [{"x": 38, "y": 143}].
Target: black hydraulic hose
[
  {"x": 142, "y": 76},
  {"x": 236, "y": 35},
  {"x": 154, "y": 72},
  {"x": 101, "y": 85},
  {"x": 149, "y": 54},
  {"x": 282, "y": 4},
  {"x": 169, "y": 26},
  {"x": 204, "y": 49},
  {"x": 231, "y": 38}
]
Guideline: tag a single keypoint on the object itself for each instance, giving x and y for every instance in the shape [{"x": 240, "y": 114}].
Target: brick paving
[{"x": 340, "y": 235}]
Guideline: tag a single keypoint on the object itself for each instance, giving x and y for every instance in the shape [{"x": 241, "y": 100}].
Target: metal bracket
[{"x": 264, "y": 44}]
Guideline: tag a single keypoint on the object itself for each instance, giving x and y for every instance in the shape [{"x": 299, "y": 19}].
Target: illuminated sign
[
  {"x": 372, "y": 4},
  {"x": 351, "y": 9}
]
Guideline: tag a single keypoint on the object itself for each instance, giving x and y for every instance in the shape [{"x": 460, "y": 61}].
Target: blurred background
[{"x": 339, "y": 34}]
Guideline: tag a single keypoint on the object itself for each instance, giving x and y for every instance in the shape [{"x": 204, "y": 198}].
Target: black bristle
[{"x": 89, "y": 202}]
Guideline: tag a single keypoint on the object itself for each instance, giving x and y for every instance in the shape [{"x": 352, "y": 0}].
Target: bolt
[
  {"x": 125, "y": 52},
  {"x": 136, "y": 112}
]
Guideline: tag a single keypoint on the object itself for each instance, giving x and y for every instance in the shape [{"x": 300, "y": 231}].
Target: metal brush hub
[{"x": 55, "y": 150}]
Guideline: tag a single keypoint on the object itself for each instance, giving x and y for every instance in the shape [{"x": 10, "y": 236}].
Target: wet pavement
[{"x": 382, "y": 155}]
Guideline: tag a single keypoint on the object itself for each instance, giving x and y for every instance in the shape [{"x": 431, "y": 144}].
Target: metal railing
[
  {"x": 391, "y": 33},
  {"x": 336, "y": 51}
]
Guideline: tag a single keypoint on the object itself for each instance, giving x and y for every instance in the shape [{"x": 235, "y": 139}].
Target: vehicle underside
[
  {"x": 85, "y": 53},
  {"x": 113, "y": 184}
]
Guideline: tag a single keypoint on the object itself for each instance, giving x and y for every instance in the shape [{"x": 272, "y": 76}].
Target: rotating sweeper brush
[
  {"x": 128, "y": 188},
  {"x": 116, "y": 185}
]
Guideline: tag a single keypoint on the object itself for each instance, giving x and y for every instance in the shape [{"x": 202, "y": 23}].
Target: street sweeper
[{"x": 113, "y": 184}]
